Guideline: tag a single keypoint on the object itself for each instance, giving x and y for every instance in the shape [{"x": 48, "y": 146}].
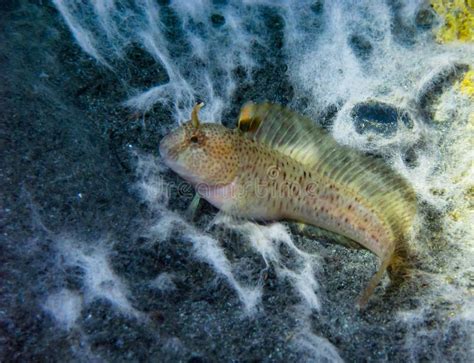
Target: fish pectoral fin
[
  {"x": 374, "y": 281},
  {"x": 192, "y": 207},
  {"x": 314, "y": 232}
]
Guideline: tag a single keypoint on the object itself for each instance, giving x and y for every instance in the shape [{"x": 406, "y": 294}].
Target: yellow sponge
[
  {"x": 458, "y": 20},
  {"x": 467, "y": 84}
]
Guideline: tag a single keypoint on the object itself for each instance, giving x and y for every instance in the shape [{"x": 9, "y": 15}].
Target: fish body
[
  {"x": 279, "y": 165},
  {"x": 272, "y": 186}
]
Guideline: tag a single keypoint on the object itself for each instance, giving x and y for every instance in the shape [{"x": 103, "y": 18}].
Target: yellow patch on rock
[
  {"x": 458, "y": 18},
  {"x": 467, "y": 84}
]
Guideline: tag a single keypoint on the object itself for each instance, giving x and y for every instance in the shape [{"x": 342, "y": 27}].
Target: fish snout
[{"x": 165, "y": 147}]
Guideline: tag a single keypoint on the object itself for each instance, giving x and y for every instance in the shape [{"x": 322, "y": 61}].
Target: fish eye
[{"x": 194, "y": 139}]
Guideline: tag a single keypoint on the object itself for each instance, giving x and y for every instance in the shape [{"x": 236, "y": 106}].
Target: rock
[
  {"x": 378, "y": 117},
  {"x": 424, "y": 18},
  {"x": 361, "y": 46},
  {"x": 217, "y": 20}
]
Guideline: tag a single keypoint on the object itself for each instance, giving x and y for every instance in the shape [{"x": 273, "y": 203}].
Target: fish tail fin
[
  {"x": 374, "y": 281},
  {"x": 400, "y": 266},
  {"x": 403, "y": 265}
]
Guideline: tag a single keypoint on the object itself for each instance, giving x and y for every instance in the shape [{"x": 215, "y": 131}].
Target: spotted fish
[{"x": 278, "y": 165}]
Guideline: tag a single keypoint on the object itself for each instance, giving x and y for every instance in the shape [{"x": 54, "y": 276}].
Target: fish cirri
[{"x": 280, "y": 165}]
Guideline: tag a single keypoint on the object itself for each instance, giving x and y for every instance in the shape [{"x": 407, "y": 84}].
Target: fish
[{"x": 279, "y": 165}]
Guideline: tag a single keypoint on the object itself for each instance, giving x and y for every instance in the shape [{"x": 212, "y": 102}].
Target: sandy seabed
[{"x": 99, "y": 263}]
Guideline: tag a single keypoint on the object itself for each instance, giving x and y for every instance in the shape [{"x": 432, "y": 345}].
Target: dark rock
[
  {"x": 433, "y": 88},
  {"x": 403, "y": 30},
  {"x": 317, "y": 7},
  {"x": 326, "y": 117},
  {"x": 217, "y": 20},
  {"x": 378, "y": 117},
  {"x": 361, "y": 46},
  {"x": 425, "y": 18}
]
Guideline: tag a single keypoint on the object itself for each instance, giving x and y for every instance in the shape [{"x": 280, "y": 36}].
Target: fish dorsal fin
[
  {"x": 301, "y": 139},
  {"x": 281, "y": 129}
]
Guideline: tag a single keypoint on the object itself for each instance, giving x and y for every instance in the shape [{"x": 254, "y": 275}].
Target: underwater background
[{"x": 98, "y": 259}]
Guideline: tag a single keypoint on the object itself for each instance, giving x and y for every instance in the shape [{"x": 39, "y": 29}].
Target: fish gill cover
[{"x": 100, "y": 262}]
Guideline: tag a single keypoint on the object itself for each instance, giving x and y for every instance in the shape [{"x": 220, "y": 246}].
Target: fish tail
[
  {"x": 374, "y": 281},
  {"x": 400, "y": 265},
  {"x": 404, "y": 265}
]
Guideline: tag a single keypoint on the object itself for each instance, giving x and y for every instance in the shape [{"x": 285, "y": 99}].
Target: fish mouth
[
  {"x": 168, "y": 152},
  {"x": 171, "y": 159},
  {"x": 183, "y": 171},
  {"x": 165, "y": 149}
]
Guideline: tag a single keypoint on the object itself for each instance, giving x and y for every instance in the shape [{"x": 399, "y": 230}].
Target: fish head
[{"x": 201, "y": 153}]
